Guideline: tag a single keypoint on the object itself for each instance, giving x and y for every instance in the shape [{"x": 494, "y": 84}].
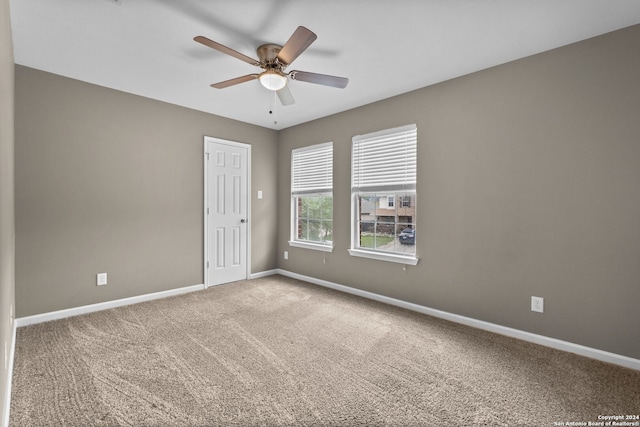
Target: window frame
[
  {"x": 360, "y": 186},
  {"x": 301, "y": 190}
]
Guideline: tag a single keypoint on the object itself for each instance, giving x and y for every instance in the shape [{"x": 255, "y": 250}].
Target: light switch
[
  {"x": 259, "y": 194},
  {"x": 102, "y": 279}
]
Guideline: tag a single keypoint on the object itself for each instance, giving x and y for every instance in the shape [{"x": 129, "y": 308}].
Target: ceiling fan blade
[
  {"x": 237, "y": 80},
  {"x": 222, "y": 48},
  {"x": 297, "y": 43},
  {"x": 285, "y": 96},
  {"x": 320, "y": 79}
]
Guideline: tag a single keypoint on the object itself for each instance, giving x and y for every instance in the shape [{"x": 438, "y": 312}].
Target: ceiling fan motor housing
[
  {"x": 268, "y": 55},
  {"x": 272, "y": 78}
]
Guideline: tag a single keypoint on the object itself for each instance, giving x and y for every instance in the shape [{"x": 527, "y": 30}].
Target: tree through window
[{"x": 312, "y": 196}]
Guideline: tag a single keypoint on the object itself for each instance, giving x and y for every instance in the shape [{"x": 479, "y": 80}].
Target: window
[
  {"x": 383, "y": 190},
  {"x": 312, "y": 197},
  {"x": 390, "y": 201}
]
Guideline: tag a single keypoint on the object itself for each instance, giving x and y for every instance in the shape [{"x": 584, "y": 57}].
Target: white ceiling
[{"x": 385, "y": 47}]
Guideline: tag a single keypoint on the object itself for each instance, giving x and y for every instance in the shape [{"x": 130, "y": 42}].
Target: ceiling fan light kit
[
  {"x": 273, "y": 59},
  {"x": 273, "y": 80}
]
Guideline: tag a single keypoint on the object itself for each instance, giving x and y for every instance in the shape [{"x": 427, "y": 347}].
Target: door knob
[{"x": 243, "y": 220}]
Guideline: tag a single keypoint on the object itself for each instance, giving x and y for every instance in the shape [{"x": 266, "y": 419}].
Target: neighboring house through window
[
  {"x": 312, "y": 197},
  {"x": 383, "y": 189}
]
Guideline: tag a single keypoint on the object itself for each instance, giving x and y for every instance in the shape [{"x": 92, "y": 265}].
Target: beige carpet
[{"x": 280, "y": 352}]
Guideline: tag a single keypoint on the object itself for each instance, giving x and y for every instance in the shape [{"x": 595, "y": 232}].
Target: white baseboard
[
  {"x": 581, "y": 350},
  {"x": 263, "y": 274},
  {"x": 76, "y": 311},
  {"x": 7, "y": 400}
]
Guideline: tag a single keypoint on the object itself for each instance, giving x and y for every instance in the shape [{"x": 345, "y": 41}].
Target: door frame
[{"x": 207, "y": 140}]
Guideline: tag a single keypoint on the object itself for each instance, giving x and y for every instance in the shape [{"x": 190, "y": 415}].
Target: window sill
[
  {"x": 384, "y": 256},
  {"x": 314, "y": 246}
]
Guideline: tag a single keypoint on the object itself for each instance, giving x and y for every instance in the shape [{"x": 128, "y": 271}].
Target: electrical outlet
[
  {"x": 286, "y": 254},
  {"x": 537, "y": 304},
  {"x": 101, "y": 279}
]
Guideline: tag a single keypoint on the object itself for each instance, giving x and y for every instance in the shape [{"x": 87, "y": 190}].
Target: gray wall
[
  {"x": 528, "y": 184},
  {"x": 7, "y": 224},
  {"x": 112, "y": 182}
]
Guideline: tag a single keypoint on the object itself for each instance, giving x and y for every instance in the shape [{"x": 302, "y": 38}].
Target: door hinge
[
  {"x": 207, "y": 264},
  {"x": 207, "y": 156},
  {"x": 207, "y": 211}
]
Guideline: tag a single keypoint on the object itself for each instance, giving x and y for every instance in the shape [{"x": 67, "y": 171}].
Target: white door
[{"x": 226, "y": 211}]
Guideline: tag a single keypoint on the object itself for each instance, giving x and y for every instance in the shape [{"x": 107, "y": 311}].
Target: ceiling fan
[{"x": 273, "y": 59}]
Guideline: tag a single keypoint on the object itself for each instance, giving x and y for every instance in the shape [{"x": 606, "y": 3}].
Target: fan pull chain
[{"x": 274, "y": 110}]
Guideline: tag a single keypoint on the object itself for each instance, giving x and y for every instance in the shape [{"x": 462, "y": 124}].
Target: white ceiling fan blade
[
  {"x": 285, "y": 96},
  {"x": 319, "y": 79}
]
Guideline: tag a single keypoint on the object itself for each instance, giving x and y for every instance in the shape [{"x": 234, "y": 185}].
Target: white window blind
[
  {"x": 312, "y": 169},
  {"x": 385, "y": 160}
]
